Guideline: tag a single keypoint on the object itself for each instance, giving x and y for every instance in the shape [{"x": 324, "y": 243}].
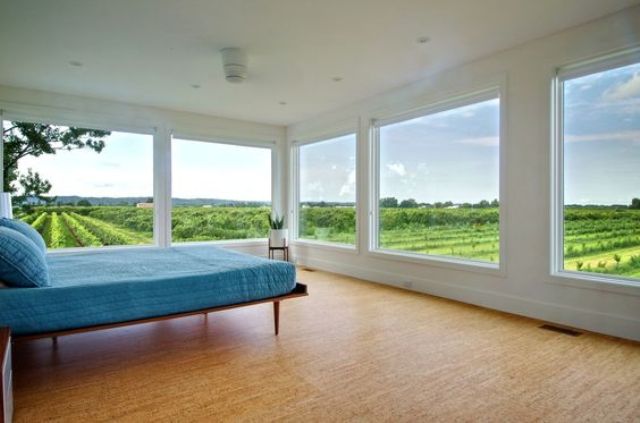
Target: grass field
[{"x": 600, "y": 240}]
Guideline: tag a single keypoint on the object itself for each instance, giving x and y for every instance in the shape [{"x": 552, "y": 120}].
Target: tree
[
  {"x": 84, "y": 203},
  {"x": 23, "y": 139},
  {"x": 635, "y": 204},
  {"x": 389, "y": 202},
  {"x": 33, "y": 186},
  {"x": 409, "y": 203}
]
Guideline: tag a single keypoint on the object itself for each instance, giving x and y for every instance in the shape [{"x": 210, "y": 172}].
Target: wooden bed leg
[
  {"x": 276, "y": 316},
  {"x": 54, "y": 340}
]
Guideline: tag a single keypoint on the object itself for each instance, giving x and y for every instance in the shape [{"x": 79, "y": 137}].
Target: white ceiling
[{"x": 150, "y": 52}]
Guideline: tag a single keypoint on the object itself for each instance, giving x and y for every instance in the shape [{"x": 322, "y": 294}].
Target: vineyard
[{"x": 601, "y": 240}]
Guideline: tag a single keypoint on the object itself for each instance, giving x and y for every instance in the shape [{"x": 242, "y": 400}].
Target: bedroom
[{"x": 458, "y": 183}]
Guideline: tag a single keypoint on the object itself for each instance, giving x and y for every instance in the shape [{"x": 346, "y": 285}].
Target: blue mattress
[{"x": 101, "y": 287}]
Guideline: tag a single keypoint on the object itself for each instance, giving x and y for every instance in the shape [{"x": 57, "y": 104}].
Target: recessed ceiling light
[
  {"x": 76, "y": 64},
  {"x": 282, "y": 103},
  {"x": 336, "y": 79},
  {"x": 423, "y": 40},
  {"x": 195, "y": 86}
]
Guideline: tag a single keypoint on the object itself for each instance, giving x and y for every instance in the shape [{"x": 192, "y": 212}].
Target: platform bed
[
  {"x": 299, "y": 291},
  {"x": 93, "y": 290}
]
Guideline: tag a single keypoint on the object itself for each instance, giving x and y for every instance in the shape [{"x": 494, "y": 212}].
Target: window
[
  {"x": 80, "y": 187},
  {"x": 438, "y": 183},
  {"x": 327, "y": 190},
  {"x": 598, "y": 190},
  {"x": 220, "y": 191}
]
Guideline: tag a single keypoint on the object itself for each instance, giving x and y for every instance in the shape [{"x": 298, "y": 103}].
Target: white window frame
[
  {"x": 485, "y": 94},
  {"x": 275, "y": 187},
  {"x": 162, "y": 165},
  {"x": 574, "y": 278},
  {"x": 294, "y": 222},
  {"x": 97, "y": 125}
]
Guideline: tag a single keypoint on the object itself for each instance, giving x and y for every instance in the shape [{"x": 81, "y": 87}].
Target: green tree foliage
[
  {"x": 409, "y": 203},
  {"x": 635, "y": 204},
  {"x": 22, "y": 139},
  {"x": 389, "y": 202},
  {"x": 33, "y": 186}
]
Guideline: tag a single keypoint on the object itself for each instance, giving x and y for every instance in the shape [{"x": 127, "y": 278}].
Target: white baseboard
[{"x": 593, "y": 321}]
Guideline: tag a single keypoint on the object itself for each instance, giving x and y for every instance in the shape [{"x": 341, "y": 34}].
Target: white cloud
[
  {"x": 397, "y": 168},
  {"x": 480, "y": 141},
  {"x": 605, "y": 136},
  {"x": 349, "y": 188},
  {"x": 629, "y": 89}
]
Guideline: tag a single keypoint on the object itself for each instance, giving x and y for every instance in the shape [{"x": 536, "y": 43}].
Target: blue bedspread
[{"x": 100, "y": 287}]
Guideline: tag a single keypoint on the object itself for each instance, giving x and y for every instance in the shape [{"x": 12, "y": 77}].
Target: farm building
[{"x": 295, "y": 210}]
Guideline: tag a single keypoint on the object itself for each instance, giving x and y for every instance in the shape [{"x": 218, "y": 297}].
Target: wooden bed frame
[{"x": 300, "y": 290}]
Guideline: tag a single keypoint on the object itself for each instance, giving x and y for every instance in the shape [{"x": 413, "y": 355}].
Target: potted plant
[{"x": 277, "y": 234}]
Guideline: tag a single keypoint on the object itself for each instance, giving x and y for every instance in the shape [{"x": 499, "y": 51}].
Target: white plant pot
[{"x": 278, "y": 237}]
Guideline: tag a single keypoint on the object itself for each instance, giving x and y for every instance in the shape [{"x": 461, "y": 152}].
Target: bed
[{"x": 98, "y": 289}]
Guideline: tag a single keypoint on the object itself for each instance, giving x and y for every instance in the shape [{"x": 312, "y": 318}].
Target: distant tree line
[
  {"x": 410, "y": 203},
  {"x": 635, "y": 205}
]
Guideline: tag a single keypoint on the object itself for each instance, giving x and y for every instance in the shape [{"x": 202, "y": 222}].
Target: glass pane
[
  {"x": 220, "y": 191},
  {"x": 439, "y": 183},
  {"x": 327, "y": 209},
  {"x": 602, "y": 172},
  {"x": 79, "y": 187}
]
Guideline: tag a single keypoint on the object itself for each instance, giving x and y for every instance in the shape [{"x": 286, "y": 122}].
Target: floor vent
[{"x": 560, "y": 329}]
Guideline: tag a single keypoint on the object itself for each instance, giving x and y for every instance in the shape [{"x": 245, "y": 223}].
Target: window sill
[
  {"x": 308, "y": 243},
  {"x": 253, "y": 242},
  {"x": 442, "y": 262},
  {"x": 621, "y": 286}
]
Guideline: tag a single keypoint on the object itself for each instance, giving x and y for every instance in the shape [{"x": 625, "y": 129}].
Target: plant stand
[{"x": 272, "y": 252}]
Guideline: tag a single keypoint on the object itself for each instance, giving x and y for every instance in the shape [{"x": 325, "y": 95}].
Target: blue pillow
[
  {"x": 22, "y": 264},
  {"x": 26, "y": 230}
]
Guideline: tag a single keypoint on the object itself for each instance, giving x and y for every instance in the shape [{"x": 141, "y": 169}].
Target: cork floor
[{"x": 352, "y": 350}]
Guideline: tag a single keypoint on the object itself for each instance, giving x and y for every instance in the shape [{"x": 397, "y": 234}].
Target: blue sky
[
  {"x": 447, "y": 156},
  {"x": 602, "y": 137}
]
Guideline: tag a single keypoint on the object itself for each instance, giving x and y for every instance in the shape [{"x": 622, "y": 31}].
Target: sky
[
  {"x": 602, "y": 137},
  {"x": 446, "y": 156},
  {"x": 224, "y": 171},
  {"x": 328, "y": 170},
  {"x": 124, "y": 168}
]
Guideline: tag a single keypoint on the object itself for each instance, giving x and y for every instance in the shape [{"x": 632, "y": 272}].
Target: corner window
[
  {"x": 438, "y": 183},
  {"x": 80, "y": 187},
  {"x": 327, "y": 190},
  {"x": 598, "y": 166},
  {"x": 220, "y": 191}
]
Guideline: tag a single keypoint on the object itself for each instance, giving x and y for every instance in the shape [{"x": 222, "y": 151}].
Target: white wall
[
  {"x": 526, "y": 288},
  {"x": 31, "y": 105}
]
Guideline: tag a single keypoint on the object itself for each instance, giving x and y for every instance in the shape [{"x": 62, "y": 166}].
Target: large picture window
[
  {"x": 80, "y": 187},
  {"x": 599, "y": 178},
  {"x": 220, "y": 191},
  {"x": 438, "y": 182},
  {"x": 327, "y": 190}
]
